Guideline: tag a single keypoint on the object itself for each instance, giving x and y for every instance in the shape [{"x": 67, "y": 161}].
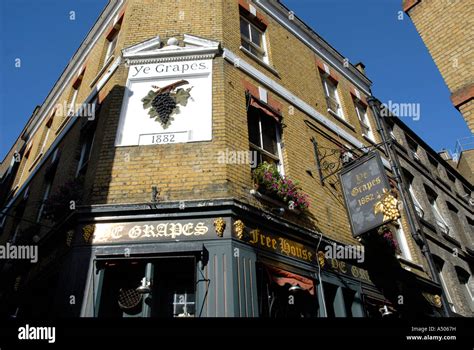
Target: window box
[{"x": 270, "y": 183}]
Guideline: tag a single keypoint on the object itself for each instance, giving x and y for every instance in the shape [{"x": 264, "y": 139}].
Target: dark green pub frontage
[{"x": 218, "y": 258}]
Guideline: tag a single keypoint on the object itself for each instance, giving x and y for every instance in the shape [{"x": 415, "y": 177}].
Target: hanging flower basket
[
  {"x": 389, "y": 239},
  {"x": 269, "y": 182}
]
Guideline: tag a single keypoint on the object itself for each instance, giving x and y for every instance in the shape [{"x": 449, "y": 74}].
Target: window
[
  {"x": 264, "y": 137},
  {"x": 72, "y": 104},
  {"x": 402, "y": 241},
  {"x": 361, "y": 111},
  {"x": 413, "y": 147},
  {"x": 439, "y": 267},
  {"x": 451, "y": 177},
  {"x": 86, "y": 148},
  {"x": 46, "y": 193},
  {"x": 44, "y": 137},
  {"x": 440, "y": 222},
  {"x": 455, "y": 220},
  {"x": 434, "y": 164},
  {"x": 409, "y": 180},
  {"x": 171, "y": 290},
  {"x": 341, "y": 301},
  {"x": 112, "y": 43},
  {"x": 276, "y": 286},
  {"x": 252, "y": 39},
  {"x": 332, "y": 97}
]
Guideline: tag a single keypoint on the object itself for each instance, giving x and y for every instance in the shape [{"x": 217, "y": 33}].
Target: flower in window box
[
  {"x": 269, "y": 181},
  {"x": 389, "y": 239}
]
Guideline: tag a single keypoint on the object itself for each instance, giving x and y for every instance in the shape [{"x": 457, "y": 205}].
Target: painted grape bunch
[{"x": 164, "y": 103}]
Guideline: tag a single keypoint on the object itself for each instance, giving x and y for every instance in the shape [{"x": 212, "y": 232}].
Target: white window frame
[
  {"x": 364, "y": 120},
  {"x": 72, "y": 107},
  {"x": 43, "y": 145},
  {"x": 439, "y": 218},
  {"x": 326, "y": 83},
  {"x": 112, "y": 44},
  {"x": 402, "y": 241},
  {"x": 82, "y": 160},
  {"x": 418, "y": 207},
  {"x": 45, "y": 197},
  {"x": 469, "y": 291},
  {"x": 262, "y": 48},
  {"x": 185, "y": 303},
  {"x": 280, "y": 167}
]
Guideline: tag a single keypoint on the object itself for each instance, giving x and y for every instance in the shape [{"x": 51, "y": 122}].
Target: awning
[
  {"x": 282, "y": 277},
  {"x": 256, "y": 103}
]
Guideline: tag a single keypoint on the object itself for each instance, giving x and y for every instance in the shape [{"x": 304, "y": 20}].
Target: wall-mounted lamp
[
  {"x": 385, "y": 311},
  {"x": 145, "y": 287}
]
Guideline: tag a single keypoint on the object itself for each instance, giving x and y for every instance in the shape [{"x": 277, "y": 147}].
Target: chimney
[{"x": 360, "y": 67}]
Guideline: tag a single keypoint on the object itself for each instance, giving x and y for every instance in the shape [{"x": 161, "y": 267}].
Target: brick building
[
  {"x": 135, "y": 180},
  {"x": 443, "y": 27},
  {"x": 443, "y": 203}
]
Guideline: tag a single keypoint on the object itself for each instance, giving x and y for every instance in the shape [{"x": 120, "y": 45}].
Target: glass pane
[
  {"x": 269, "y": 135},
  {"x": 253, "y": 127},
  {"x": 244, "y": 28},
  {"x": 256, "y": 36},
  {"x": 331, "y": 89},
  {"x": 245, "y": 45},
  {"x": 256, "y": 52}
]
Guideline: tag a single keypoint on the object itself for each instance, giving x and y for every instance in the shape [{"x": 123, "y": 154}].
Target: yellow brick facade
[{"x": 446, "y": 29}]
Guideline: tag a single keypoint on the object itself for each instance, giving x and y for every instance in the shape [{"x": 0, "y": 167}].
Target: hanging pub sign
[{"x": 364, "y": 186}]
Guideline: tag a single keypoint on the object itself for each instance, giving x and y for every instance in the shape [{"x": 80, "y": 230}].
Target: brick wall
[{"x": 446, "y": 29}]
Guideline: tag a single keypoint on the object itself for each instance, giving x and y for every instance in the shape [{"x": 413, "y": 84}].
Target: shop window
[
  {"x": 264, "y": 134},
  {"x": 253, "y": 39},
  {"x": 332, "y": 96},
  {"x": 147, "y": 288},
  {"x": 342, "y": 301},
  {"x": 284, "y": 294},
  {"x": 366, "y": 128}
]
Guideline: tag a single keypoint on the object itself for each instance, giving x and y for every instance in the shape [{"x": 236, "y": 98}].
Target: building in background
[
  {"x": 158, "y": 176},
  {"x": 444, "y": 28},
  {"x": 443, "y": 202}
]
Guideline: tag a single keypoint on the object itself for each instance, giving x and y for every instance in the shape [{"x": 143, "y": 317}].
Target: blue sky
[{"x": 42, "y": 35}]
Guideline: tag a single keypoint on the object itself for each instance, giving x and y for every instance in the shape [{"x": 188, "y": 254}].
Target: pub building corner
[{"x": 212, "y": 245}]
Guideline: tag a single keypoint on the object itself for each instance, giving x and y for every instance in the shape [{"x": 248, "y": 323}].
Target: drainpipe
[{"x": 418, "y": 235}]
